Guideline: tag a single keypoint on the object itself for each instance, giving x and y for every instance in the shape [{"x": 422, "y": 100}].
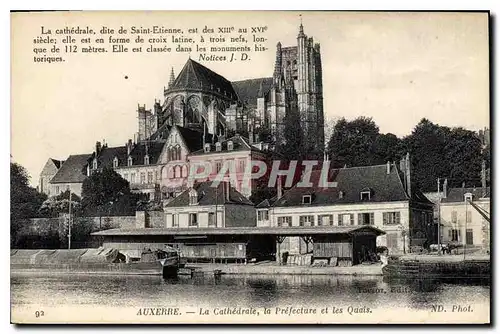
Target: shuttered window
[
  {"x": 367, "y": 218},
  {"x": 391, "y": 218}
]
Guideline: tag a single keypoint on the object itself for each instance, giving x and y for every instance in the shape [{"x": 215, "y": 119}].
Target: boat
[
  {"x": 168, "y": 258},
  {"x": 165, "y": 261},
  {"x": 423, "y": 267}
]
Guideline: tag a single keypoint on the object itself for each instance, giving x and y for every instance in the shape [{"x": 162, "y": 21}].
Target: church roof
[
  {"x": 196, "y": 76},
  {"x": 73, "y": 170},
  {"x": 249, "y": 90},
  {"x": 193, "y": 138}
]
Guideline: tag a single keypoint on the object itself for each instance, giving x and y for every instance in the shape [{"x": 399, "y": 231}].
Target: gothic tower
[{"x": 310, "y": 90}]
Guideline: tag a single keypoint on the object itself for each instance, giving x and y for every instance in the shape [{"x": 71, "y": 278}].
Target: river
[{"x": 45, "y": 290}]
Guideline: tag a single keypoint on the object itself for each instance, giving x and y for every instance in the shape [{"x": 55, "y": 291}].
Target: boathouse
[{"x": 348, "y": 245}]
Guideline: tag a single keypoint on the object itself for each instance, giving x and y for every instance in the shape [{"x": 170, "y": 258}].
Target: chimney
[
  {"x": 483, "y": 178},
  {"x": 97, "y": 147},
  {"x": 129, "y": 146},
  {"x": 408, "y": 176},
  {"x": 445, "y": 188},
  {"x": 225, "y": 190},
  {"x": 388, "y": 167},
  {"x": 279, "y": 191}
]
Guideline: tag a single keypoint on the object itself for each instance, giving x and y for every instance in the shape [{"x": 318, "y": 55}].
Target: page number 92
[{"x": 39, "y": 314}]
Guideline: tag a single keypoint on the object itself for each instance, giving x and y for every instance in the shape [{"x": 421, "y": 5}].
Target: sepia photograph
[{"x": 250, "y": 167}]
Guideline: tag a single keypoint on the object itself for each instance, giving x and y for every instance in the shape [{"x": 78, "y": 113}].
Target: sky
[{"x": 394, "y": 67}]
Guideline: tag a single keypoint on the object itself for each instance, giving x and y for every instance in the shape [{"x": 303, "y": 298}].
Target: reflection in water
[{"x": 244, "y": 291}]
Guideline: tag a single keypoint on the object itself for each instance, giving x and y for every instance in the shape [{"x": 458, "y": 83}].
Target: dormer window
[
  {"x": 468, "y": 197},
  {"x": 230, "y": 145},
  {"x": 193, "y": 197},
  {"x": 341, "y": 194},
  {"x": 306, "y": 199},
  {"x": 365, "y": 195},
  {"x": 129, "y": 161},
  {"x": 207, "y": 148},
  {"x": 146, "y": 159},
  {"x": 115, "y": 162},
  {"x": 218, "y": 146},
  {"x": 94, "y": 164}
]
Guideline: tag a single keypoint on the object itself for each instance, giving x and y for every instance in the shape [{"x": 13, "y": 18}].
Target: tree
[
  {"x": 24, "y": 199},
  {"x": 56, "y": 205},
  {"x": 107, "y": 193},
  {"x": 352, "y": 142},
  {"x": 387, "y": 147},
  {"x": 463, "y": 153},
  {"x": 293, "y": 148},
  {"x": 438, "y": 151}
]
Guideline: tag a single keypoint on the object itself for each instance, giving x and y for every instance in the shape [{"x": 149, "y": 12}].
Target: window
[
  {"x": 175, "y": 220},
  {"x": 366, "y": 218},
  {"x": 218, "y": 166},
  {"x": 306, "y": 220},
  {"x": 230, "y": 145},
  {"x": 177, "y": 171},
  {"x": 193, "y": 197},
  {"x": 146, "y": 160},
  {"x": 211, "y": 219},
  {"x": 143, "y": 178},
  {"x": 454, "y": 217},
  {"x": 392, "y": 240},
  {"x": 365, "y": 195},
  {"x": 150, "y": 177},
  {"x": 468, "y": 197},
  {"x": 218, "y": 146},
  {"x": 132, "y": 177},
  {"x": 391, "y": 218},
  {"x": 94, "y": 164},
  {"x": 115, "y": 162},
  {"x": 193, "y": 219},
  {"x": 57, "y": 190},
  {"x": 346, "y": 219},
  {"x": 263, "y": 215},
  {"x": 306, "y": 199},
  {"x": 325, "y": 220},
  {"x": 285, "y": 221},
  {"x": 341, "y": 194},
  {"x": 207, "y": 148},
  {"x": 454, "y": 235},
  {"x": 241, "y": 165},
  {"x": 125, "y": 176},
  {"x": 129, "y": 161}
]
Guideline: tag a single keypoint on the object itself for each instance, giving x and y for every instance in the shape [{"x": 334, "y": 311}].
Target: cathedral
[{"x": 202, "y": 100}]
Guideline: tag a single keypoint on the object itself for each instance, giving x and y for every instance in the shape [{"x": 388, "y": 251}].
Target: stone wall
[{"x": 52, "y": 232}]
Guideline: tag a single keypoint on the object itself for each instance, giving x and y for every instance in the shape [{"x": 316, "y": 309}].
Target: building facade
[
  {"x": 372, "y": 195},
  {"x": 48, "y": 172},
  {"x": 461, "y": 220}
]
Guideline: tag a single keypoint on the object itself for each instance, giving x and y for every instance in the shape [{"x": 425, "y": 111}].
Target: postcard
[{"x": 250, "y": 167}]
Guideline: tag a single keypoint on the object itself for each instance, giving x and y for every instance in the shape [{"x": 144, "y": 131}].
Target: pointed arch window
[
  {"x": 115, "y": 162},
  {"x": 94, "y": 164},
  {"x": 146, "y": 159},
  {"x": 129, "y": 161}
]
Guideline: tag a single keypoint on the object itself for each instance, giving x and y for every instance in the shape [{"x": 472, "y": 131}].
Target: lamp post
[{"x": 69, "y": 222}]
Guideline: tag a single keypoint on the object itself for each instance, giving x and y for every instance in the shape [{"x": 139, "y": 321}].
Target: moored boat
[{"x": 437, "y": 267}]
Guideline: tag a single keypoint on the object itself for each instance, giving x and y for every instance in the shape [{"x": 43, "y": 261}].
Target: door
[{"x": 469, "y": 238}]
